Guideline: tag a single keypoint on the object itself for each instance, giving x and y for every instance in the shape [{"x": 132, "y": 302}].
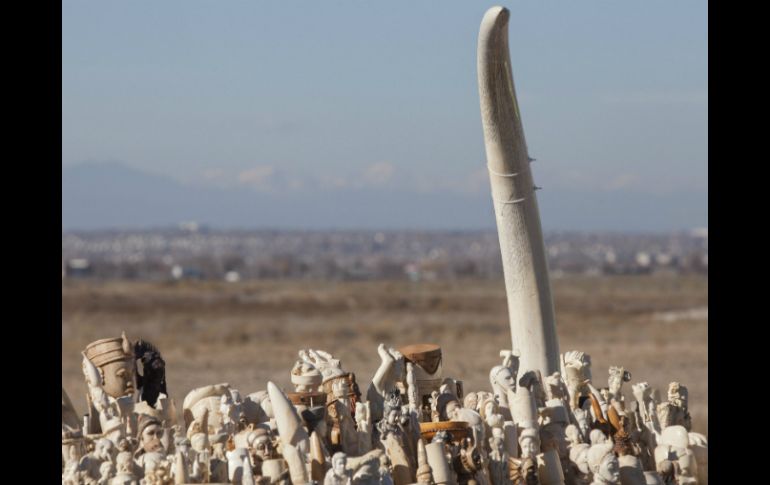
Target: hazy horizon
[{"x": 367, "y": 116}]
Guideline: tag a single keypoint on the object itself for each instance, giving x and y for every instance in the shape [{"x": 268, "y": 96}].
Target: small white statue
[
  {"x": 498, "y": 461},
  {"x": 617, "y": 376},
  {"x": 338, "y": 473},
  {"x": 579, "y": 469},
  {"x": 238, "y": 465},
  {"x": 529, "y": 442},
  {"x": 364, "y": 427},
  {"x": 576, "y": 369},
  {"x": 323, "y": 361},
  {"x": 674, "y": 411},
  {"x": 503, "y": 380},
  {"x": 394, "y": 441},
  {"x": 673, "y": 456},
  {"x": 603, "y": 464},
  {"x": 125, "y": 470},
  {"x": 104, "y": 451},
  {"x": 390, "y": 373}
]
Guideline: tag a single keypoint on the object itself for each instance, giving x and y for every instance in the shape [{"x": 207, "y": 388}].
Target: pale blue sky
[{"x": 282, "y": 96}]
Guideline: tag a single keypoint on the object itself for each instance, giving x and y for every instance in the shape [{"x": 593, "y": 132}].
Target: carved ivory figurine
[
  {"x": 110, "y": 370},
  {"x": 503, "y": 380},
  {"x": 269, "y": 437},
  {"x": 338, "y": 473},
  {"x": 426, "y": 368}
]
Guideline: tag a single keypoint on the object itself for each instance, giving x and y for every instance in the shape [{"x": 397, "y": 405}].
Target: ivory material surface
[{"x": 530, "y": 307}]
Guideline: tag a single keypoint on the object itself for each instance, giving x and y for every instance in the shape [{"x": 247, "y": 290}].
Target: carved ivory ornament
[{"x": 541, "y": 420}]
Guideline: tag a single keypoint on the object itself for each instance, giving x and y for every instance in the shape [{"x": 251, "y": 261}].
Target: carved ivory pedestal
[{"x": 530, "y": 307}]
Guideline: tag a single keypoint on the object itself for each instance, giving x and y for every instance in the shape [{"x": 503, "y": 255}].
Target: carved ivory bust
[
  {"x": 338, "y": 475},
  {"x": 114, "y": 357},
  {"x": 150, "y": 433},
  {"x": 503, "y": 378},
  {"x": 529, "y": 442}
]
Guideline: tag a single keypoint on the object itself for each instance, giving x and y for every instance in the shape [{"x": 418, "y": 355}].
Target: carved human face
[
  {"x": 506, "y": 379},
  {"x": 609, "y": 469},
  {"x": 119, "y": 378},
  {"x": 263, "y": 449},
  {"x": 151, "y": 438},
  {"x": 339, "y": 463},
  {"x": 529, "y": 446},
  {"x": 393, "y": 417}
]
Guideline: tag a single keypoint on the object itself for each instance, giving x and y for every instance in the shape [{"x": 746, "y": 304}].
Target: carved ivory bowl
[{"x": 458, "y": 430}]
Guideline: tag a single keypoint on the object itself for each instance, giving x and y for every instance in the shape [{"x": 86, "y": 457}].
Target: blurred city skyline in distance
[{"x": 347, "y": 115}]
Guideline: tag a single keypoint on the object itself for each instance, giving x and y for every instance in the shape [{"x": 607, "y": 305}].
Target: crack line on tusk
[
  {"x": 500, "y": 174},
  {"x": 508, "y": 202}
]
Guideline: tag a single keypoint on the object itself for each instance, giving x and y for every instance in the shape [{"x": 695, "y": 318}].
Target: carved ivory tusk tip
[{"x": 495, "y": 19}]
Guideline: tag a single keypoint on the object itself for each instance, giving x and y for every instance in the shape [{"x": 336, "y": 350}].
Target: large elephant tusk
[{"x": 530, "y": 308}]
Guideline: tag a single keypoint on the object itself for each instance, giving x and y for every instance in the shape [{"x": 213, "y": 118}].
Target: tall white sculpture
[{"x": 530, "y": 307}]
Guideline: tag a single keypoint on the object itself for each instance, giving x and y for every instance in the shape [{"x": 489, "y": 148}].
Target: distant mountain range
[{"x": 114, "y": 195}]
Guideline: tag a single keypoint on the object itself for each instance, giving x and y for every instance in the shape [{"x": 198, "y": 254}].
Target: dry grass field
[{"x": 248, "y": 333}]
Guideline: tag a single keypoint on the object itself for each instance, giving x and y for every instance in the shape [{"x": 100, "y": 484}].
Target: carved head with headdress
[{"x": 114, "y": 357}]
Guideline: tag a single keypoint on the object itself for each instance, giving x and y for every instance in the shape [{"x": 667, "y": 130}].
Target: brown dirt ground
[{"x": 248, "y": 333}]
